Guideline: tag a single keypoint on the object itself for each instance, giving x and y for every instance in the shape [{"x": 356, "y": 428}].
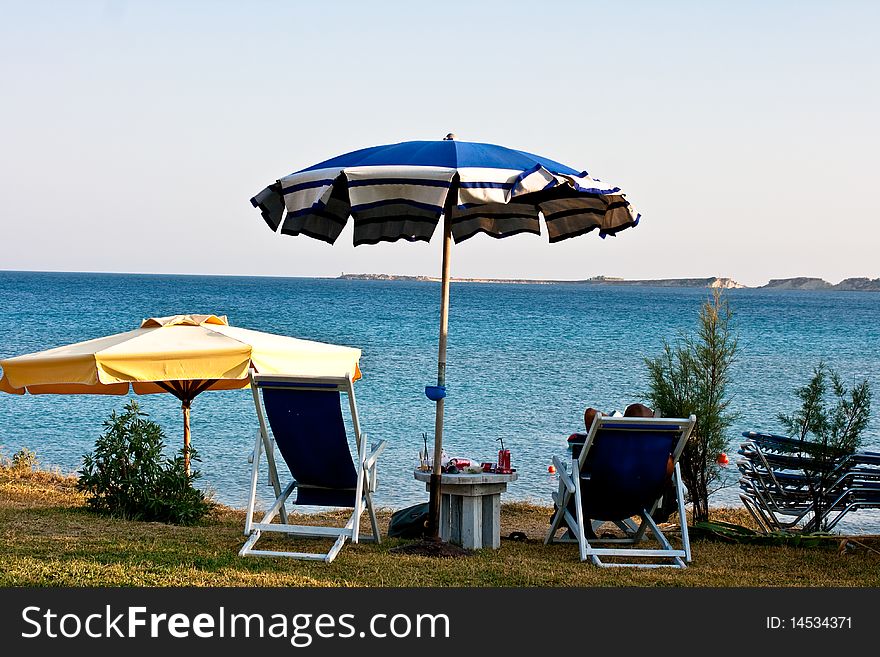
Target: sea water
[{"x": 524, "y": 361}]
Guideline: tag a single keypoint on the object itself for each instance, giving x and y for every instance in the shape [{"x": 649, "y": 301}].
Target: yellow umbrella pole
[
  {"x": 186, "y": 391},
  {"x": 185, "y": 405}
]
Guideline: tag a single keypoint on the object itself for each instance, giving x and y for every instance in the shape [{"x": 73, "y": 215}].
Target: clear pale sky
[{"x": 133, "y": 134}]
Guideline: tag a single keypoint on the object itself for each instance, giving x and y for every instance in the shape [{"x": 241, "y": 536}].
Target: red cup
[
  {"x": 487, "y": 467},
  {"x": 504, "y": 459}
]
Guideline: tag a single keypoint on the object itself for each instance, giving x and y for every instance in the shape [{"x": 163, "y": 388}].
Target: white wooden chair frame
[
  {"x": 265, "y": 443},
  {"x": 570, "y": 487}
]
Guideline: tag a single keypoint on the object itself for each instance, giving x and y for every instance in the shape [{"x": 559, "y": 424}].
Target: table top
[{"x": 465, "y": 478}]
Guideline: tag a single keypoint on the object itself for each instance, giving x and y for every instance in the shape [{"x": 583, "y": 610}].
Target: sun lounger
[
  {"x": 307, "y": 426},
  {"x": 620, "y": 474},
  {"x": 777, "y": 474}
]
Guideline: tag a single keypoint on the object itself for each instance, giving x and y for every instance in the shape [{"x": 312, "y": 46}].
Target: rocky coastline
[{"x": 798, "y": 283}]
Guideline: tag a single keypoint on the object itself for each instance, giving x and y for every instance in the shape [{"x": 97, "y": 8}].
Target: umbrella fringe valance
[{"x": 406, "y": 218}]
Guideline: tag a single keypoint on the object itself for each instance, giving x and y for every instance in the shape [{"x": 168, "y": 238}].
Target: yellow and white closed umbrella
[{"x": 181, "y": 354}]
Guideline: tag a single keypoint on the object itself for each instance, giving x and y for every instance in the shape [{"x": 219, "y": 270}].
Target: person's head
[
  {"x": 590, "y": 415},
  {"x": 638, "y": 410}
]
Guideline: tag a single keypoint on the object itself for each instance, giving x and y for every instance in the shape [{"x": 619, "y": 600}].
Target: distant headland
[{"x": 800, "y": 283}]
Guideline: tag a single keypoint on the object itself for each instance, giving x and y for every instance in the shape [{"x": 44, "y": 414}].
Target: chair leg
[
  {"x": 682, "y": 514},
  {"x": 274, "y": 481},
  {"x": 555, "y": 521},
  {"x": 757, "y": 514},
  {"x": 628, "y": 526},
  {"x": 377, "y": 536},
  {"x": 255, "y": 473},
  {"x": 249, "y": 544},
  {"x": 579, "y": 514},
  {"x": 660, "y": 537},
  {"x": 639, "y": 534},
  {"x": 561, "y": 499},
  {"x": 337, "y": 546}
]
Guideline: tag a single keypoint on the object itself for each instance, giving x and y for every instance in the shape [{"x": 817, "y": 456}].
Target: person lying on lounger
[{"x": 633, "y": 410}]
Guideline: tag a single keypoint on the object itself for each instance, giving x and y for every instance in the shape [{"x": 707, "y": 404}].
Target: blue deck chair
[
  {"x": 305, "y": 417},
  {"x": 619, "y": 474}
]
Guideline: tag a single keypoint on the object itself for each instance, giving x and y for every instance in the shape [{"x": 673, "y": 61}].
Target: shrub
[
  {"x": 24, "y": 460},
  {"x": 827, "y": 433},
  {"x": 691, "y": 377},
  {"x": 127, "y": 476}
]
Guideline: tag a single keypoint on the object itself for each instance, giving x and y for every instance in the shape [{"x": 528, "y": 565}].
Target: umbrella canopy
[
  {"x": 400, "y": 192},
  {"x": 181, "y": 354}
]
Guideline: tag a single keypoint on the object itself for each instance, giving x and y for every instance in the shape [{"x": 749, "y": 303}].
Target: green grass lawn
[{"x": 49, "y": 538}]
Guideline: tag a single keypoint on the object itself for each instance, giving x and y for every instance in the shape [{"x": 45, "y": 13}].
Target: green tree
[
  {"x": 692, "y": 377},
  {"x": 828, "y": 433}
]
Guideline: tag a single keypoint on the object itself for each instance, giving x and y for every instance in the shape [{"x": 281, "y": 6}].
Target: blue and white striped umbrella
[{"x": 400, "y": 191}]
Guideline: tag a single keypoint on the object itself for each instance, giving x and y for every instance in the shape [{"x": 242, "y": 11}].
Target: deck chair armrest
[
  {"x": 560, "y": 464},
  {"x": 564, "y": 476},
  {"x": 375, "y": 451},
  {"x": 370, "y": 463}
]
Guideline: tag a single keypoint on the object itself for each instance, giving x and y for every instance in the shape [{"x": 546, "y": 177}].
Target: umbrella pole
[
  {"x": 433, "y": 528},
  {"x": 186, "y": 406}
]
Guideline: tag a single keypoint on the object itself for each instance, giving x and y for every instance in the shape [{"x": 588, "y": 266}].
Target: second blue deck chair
[
  {"x": 307, "y": 426},
  {"x": 621, "y": 473}
]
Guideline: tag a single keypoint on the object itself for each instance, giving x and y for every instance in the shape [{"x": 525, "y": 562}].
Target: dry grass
[{"x": 49, "y": 538}]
